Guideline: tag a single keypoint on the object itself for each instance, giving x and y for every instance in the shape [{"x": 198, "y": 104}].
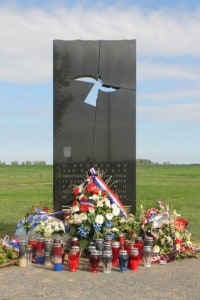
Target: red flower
[
  {"x": 84, "y": 207},
  {"x": 91, "y": 188},
  {"x": 46, "y": 209},
  {"x": 180, "y": 223},
  {"x": 75, "y": 203},
  {"x": 83, "y": 198},
  {"x": 76, "y": 191}
]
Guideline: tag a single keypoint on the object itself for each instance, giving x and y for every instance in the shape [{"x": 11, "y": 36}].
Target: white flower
[
  {"x": 99, "y": 219},
  {"x": 48, "y": 228},
  {"x": 54, "y": 224},
  {"x": 109, "y": 216},
  {"x": 107, "y": 202},
  {"x": 91, "y": 210},
  {"x": 162, "y": 241},
  {"x": 169, "y": 240},
  {"x": 61, "y": 226},
  {"x": 156, "y": 249},
  {"x": 83, "y": 217},
  {"x": 115, "y": 210},
  {"x": 188, "y": 244},
  {"x": 123, "y": 220},
  {"x": 77, "y": 219},
  {"x": 188, "y": 235},
  {"x": 114, "y": 229},
  {"x": 100, "y": 203},
  {"x": 94, "y": 197}
]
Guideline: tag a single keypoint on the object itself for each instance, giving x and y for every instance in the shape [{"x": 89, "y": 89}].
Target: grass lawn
[
  {"x": 177, "y": 185},
  {"x": 23, "y": 186},
  {"x": 20, "y": 188}
]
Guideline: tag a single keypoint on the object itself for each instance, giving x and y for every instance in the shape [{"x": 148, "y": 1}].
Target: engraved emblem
[{"x": 67, "y": 151}]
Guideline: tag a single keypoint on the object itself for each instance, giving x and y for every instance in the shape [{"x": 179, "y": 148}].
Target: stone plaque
[{"x": 94, "y": 116}]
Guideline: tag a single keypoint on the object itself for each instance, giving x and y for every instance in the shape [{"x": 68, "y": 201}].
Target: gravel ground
[{"x": 175, "y": 280}]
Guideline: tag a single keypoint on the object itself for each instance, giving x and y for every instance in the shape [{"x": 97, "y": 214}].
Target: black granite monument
[{"x": 94, "y": 115}]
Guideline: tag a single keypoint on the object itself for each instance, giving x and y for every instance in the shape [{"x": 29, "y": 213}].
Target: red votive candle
[
  {"x": 139, "y": 245},
  {"x": 115, "y": 252},
  {"x": 73, "y": 261},
  {"x": 94, "y": 260},
  {"x": 134, "y": 259}
]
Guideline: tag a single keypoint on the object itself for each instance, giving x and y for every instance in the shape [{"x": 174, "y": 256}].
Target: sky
[{"x": 168, "y": 72}]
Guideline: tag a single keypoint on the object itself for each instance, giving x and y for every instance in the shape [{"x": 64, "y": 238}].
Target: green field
[
  {"x": 178, "y": 185},
  {"x": 20, "y": 188}
]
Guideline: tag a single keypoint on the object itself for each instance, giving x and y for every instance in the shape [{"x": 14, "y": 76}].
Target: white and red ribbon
[{"x": 112, "y": 196}]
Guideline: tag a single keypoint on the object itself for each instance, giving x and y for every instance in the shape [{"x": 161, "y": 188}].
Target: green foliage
[{"x": 7, "y": 254}]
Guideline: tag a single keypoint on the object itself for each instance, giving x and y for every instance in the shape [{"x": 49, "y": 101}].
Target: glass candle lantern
[
  {"x": 94, "y": 260},
  {"x": 108, "y": 239},
  {"x": 115, "y": 253},
  {"x": 73, "y": 260},
  {"x": 48, "y": 245},
  {"x": 148, "y": 241},
  {"x": 33, "y": 242},
  {"x": 91, "y": 248},
  {"x": 76, "y": 249},
  {"x": 147, "y": 256},
  {"x": 106, "y": 246},
  {"x": 99, "y": 244},
  {"x": 40, "y": 252},
  {"x": 29, "y": 253},
  {"x": 107, "y": 261},
  {"x": 22, "y": 253},
  {"x": 139, "y": 244},
  {"x": 57, "y": 262},
  {"x": 134, "y": 259},
  {"x": 123, "y": 260}
]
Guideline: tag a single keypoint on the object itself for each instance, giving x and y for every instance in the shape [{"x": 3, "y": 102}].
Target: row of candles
[
  {"x": 42, "y": 251},
  {"x": 122, "y": 253},
  {"x": 106, "y": 252}
]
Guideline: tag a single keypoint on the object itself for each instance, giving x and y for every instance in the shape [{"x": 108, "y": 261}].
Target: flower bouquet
[
  {"x": 41, "y": 221},
  {"x": 170, "y": 233},
  {"x": 96, "y": 212},
  {"x": 50, "y": 226}
]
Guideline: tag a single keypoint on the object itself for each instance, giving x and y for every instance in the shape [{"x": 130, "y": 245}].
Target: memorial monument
[{"x": 94, "y": 116}]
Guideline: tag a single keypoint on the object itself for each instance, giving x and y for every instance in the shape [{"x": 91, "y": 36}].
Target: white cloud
[
  {"x": 27, "y": 35},
  {"x": 172, "y": 95},
  {"x": 182, "y": 112},
  {"x": 154, "y": 70}
]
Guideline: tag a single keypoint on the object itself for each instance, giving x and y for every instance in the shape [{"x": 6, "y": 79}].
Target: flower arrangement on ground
[
  {"x": 41, "y": 221},
  {"x": 172, "y": 238},
  {"x": 96, "y": 212},
  {"x": 31, "y": 219}
]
